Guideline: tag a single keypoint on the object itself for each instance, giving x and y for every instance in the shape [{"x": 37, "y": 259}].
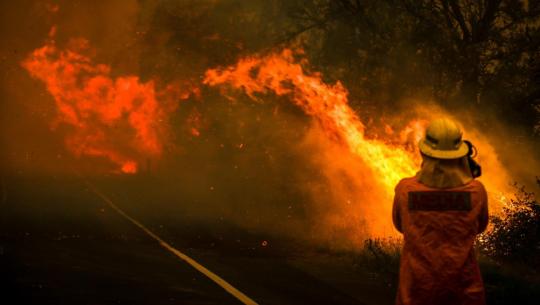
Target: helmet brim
[{"x": 427, "y": 150}]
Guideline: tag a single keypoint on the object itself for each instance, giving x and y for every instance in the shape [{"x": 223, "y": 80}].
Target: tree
[{"x": 466, "y": 52}]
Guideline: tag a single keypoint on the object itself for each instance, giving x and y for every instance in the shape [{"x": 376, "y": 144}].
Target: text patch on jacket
[{"x": 439, "y": 201}]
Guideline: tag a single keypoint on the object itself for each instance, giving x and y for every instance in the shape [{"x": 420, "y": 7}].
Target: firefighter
[{"x": 439, "y": 212}]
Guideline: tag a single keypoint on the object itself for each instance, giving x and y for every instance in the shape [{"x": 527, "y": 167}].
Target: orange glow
[
  {"x": 117, "y": 118},
  {"x": 129, "y": 167}
]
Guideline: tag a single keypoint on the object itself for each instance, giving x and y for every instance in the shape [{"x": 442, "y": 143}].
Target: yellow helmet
[{"x": 443, "y": 140}]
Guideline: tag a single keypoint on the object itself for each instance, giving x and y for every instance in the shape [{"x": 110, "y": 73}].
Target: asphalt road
[{"x": 62, "y": 244}]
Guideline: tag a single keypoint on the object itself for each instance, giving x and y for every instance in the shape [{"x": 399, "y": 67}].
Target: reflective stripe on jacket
[{"x": 439, "y": 226}]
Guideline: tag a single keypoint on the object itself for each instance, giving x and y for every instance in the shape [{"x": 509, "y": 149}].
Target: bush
[
  {"x": 515, "y": 235},
  {"x": 381, "y": 256}
]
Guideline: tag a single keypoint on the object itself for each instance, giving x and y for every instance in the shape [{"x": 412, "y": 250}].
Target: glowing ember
[
  {"x": 129, "y": 167},
  {"x": 116, "y": 118},
  {"x": 195, "y": 132},
  {"x": 194, "y": 122}
]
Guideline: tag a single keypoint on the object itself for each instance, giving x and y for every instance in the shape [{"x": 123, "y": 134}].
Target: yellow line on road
[{"x": 214, "y": 277}]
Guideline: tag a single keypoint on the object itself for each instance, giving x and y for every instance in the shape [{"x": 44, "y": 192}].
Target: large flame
[
  {"x": 118, "y": 118},
  {"x": 124, "y": 120},
  {"x": 280, "y": 74},
  {"x": 384, "y": 160}
]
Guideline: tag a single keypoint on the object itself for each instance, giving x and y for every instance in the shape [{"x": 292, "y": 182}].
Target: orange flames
[
  {"x": 117, "y": 118},
  {"x": 280, "y": 74},
  {"x": 124, "y": 120},
  {"x": 383, "y": 162}
]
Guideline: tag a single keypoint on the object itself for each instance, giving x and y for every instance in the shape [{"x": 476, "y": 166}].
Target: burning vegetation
[
  {"x": 125, "y": 120},
  {"x": 122, "y": 119},
  {"x": 382, "y": 159},
  {"x": 361, "y": 125}
]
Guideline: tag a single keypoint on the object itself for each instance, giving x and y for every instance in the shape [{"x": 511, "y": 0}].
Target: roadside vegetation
[
  {"x": 514, "y": 236},
  {"x": 509, "y": 254}
]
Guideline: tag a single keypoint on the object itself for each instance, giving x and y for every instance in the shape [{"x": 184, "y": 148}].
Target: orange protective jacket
[{"x": 439, "y": 226}]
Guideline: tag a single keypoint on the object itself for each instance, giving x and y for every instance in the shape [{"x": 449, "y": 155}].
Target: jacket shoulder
[
  {"x": 477, "y": 185},
  {"x": 405, "y": 183}
]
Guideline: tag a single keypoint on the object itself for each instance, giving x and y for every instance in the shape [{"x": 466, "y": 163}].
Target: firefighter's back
[{"x": 439, "y": 227}]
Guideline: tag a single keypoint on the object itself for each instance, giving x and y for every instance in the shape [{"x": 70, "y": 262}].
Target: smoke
[{"x": 278, "y": 154}]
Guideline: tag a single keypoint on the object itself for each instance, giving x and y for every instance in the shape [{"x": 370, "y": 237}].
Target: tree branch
[
  {"x": 458, "y": 16},
  {"x": 486, "y": 21}
]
